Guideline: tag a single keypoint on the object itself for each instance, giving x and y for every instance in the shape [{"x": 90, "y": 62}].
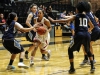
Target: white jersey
[{"x": 44, "y": 39}]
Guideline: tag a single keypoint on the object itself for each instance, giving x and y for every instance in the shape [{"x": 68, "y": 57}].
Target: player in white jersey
[{"x": 41, "y": 41}]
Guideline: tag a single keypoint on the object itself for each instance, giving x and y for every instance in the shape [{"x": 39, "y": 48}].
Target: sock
[
  {"x": 11, "y": 62},
  {"x": 20, "y": 60},
  {"x": 92, "y": 65},
  {"x": 26, "y": 52},
  {"x": 43, "y": 55},
  {"x": 85, "y": 57},
  {"x": 93, "y": 56},
  {"x": 72, "y": 65}
]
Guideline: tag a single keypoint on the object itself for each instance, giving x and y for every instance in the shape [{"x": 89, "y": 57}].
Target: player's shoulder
[{"x": 45, "y": 19}]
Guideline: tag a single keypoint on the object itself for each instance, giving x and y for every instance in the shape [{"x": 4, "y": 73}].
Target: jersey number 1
[{"x": 83, "y": 22}]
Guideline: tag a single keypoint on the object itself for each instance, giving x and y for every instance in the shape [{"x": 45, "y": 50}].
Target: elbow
[{"x": 26, "y": 22}]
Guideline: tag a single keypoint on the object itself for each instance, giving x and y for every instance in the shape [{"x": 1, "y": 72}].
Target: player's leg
[
  {"x": 10, "y": 65},
  {"x": 91, "y": 49},
  {"x": 36, "y": 44},
  {"x": 71, "y": 60},
  {"x": 85, "y": 61},
  {"x": 43, "y": 50},
  {"x": 27, "y": 51},
  {"x": 75, "y": 45},
  {"x": 21, "y": 64},
  {"x": 86, "y": 45}
]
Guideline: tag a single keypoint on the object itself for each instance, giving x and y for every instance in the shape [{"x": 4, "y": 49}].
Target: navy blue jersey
[
  {"x": 91, "y": 17},
  {"x": 95, "y": 35},
  {"x": 81, "y": 21},
  {"x": 32, "y": 20},
  {"x": 10, "y": 33}
]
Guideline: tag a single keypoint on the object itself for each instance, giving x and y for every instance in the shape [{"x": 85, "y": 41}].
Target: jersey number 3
[{"x": 83, "y": 22}]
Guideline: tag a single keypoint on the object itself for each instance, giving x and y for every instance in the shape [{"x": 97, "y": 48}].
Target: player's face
[
  {"x": 40, "y": 13},
  {"x": 34, "y": 9},
  {"x": 1, "y": 15},
  {"x": 16, "y": 18}
]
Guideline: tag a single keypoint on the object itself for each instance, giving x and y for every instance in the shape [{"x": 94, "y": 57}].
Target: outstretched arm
[
  {"x": 19, "y": 27},
  {"x": 71, "y": 18}
]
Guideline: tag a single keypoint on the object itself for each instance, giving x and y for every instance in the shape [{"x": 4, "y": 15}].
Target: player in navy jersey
[
  {"x": 82, "y": 35},
  {"x": 11, "y": 44},
  {"x": 94, "y": 35}
]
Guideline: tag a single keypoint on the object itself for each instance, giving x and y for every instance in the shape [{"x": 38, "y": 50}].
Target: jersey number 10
[{"x": 83, "y": 22}]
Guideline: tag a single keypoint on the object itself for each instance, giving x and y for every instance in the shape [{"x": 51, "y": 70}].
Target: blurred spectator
[
  {"x": 97, "y": 14},
  {"x": 7, "y": 2},
  {"x": 49, "y": 11},
  {"x": 63, "y": 14},
  {"x": 2, "y": 23}
]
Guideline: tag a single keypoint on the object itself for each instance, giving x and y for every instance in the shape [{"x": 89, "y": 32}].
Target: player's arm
[
  {"x": 96, "y": 19},
  {"x": 66, "y": 17},
  {"x": 91, "y": 26},
  {"x": 19, "y": 27},
  {"x": 62, "y": 20},
  {"x": 48, "y": 24},
  {"x": 28, "y": 20}
]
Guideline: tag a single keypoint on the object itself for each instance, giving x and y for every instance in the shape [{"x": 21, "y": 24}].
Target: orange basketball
[{"x": 41, "y": 30}]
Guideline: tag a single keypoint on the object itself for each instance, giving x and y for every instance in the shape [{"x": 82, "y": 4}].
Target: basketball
[{"x": 41, "y": 30}]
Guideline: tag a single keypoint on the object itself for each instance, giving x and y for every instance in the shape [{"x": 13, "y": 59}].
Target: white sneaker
[
  {"x": 22, "y": 65},
  {"x": 31, "y": 63},
  {"x": 49, "y": 54}
]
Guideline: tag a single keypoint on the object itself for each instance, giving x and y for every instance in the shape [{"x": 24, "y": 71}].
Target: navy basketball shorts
[
  {"x": 79, "y": 39},
  {"x": 30, "y": 36},
  {"x": 12, "y": 46},
  {"x": 95, "y": 35}
]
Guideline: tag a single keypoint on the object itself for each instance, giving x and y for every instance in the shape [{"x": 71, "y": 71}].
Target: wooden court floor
[{"x": 57, "y": 65}]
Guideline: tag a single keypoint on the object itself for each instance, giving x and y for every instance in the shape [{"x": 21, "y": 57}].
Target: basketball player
[
  {"x": 94, "y": 35},
  {"x": 41, "y": 41},
  {"x": 11, "y": 44},
  {"x": 82, "y": 35},
  {"x": 32, "y": 13}
]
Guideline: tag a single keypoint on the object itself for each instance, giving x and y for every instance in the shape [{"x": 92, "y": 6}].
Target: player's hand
[
  {"x": 89, "y": 30},
  {"x": 34, "y": 29}
]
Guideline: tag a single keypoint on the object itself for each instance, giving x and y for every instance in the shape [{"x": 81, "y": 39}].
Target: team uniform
[
  {"x": 96, "y": 31},
  {"x": 9, "y": 41},
  {"x": 82, "y": 36},
  {"x": 43, "y": 39},
  {"x": 30, "y": 35}
]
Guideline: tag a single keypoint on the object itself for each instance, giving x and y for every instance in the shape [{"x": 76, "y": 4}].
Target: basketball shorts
[
  {"x": 12, "y": 46},
  {"x": 30, "y": 36},
  {"x": 44, "y": 40},
  {"x": 95, "y": 35},
  {"x": 79, "y": 39}
]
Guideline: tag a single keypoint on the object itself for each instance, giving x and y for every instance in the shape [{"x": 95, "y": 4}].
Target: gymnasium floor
[{"x": 58, "y": 63}]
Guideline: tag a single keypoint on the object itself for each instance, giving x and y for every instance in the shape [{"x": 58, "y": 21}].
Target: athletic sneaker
[
  {"x": 31, "y": 63},
  {"x": 49, "y": 53},
  {"x": 84, "y": 62},
  {"x": 71, "y": 71},
  {"x": 45, "y": 58},
  {"x": 26, "y": 56},
  {"x": 22, "y": 65},
  {"x": 10, "y": 67},
  {"x": 92, "y": 70},
  {"x": 94, "y": 61}
]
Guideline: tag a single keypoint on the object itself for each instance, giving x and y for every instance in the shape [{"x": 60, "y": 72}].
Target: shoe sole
[
  {"x": 25, "y": 67},
  {"x": 32, "y": 64}
]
